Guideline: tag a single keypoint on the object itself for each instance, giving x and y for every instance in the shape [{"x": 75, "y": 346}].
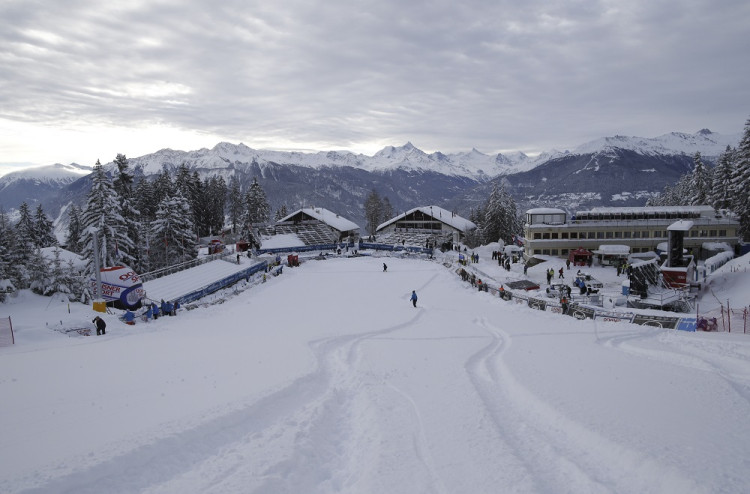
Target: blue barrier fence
[
  {"x": 222, "y": 283},
  {"x": 395, "y": 248}
]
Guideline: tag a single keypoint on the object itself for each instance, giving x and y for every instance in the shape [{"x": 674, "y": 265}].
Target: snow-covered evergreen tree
[
  {"x": 146, "y": 196},
  {"x": 721, "y": 183},
  {"x": 26, "y": 230},
  {"x": 44, "y": 229},
  {"x": 14, "y": 258},
  {"x": 740, "y": 189},
  {"x": 61, "y": 278},
  {"x": 172, "y": 233},
  {"x": 212, "y": 201},
  {"x": 257, "y": 209},
  {"x": 103, "y": 216},
  {"x": 39, "y": 279},
  {"x": 235, "y": 204},
  {"x": 700, "y": 181},
  {"x": 387, "y": 210},
  {"x": 73, "y": 238},
  {"x": 500, "y": 216},
  {"x": 123, "y": 185},
  {"x": 373, "y": 211},
  {"x": 162, "y": 187},
  {"x": 281, "y": 213},
  {"x": 6, "y": 238}
]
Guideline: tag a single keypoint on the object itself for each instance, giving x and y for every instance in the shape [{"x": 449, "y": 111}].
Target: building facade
[
  {"x": 427, "y": 223},
  {"x": 549, "y": 231}
]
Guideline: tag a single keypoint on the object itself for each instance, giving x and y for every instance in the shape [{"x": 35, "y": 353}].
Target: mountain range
[{"x": 615, "y": 170}]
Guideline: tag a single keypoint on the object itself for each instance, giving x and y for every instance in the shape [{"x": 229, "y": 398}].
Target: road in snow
[{"x": 326, "y": 379}]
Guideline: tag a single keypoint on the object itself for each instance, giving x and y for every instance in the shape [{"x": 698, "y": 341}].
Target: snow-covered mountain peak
[{"x": 48, "y": 174}]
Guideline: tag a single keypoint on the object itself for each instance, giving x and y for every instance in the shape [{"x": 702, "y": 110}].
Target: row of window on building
[{"x": 622, "y": 234}]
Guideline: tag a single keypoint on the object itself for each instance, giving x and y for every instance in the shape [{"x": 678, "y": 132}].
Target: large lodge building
[{"x": 549, "y": 231}]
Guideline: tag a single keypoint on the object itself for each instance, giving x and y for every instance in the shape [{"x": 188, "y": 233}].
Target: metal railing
[{"x": 175, "y": 268}]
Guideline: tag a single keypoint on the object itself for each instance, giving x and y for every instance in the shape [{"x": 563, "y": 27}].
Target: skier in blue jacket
[{"x": 414, "y": 298}]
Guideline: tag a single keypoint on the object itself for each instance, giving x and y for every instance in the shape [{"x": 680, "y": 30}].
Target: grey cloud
[{"x": 445, "y": 75}]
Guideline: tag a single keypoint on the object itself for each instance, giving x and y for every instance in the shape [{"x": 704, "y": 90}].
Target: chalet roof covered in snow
[
  {"x": 650, "y": 209},
  {"x": 328, "y": 217},
  {"x": 545, "y": 211},
  {"x": 613, "y": 250},
  {"x": 438, "y": 213}
]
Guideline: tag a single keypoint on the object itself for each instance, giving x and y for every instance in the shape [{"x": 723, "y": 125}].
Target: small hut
[{"x": 580, "y": 256}]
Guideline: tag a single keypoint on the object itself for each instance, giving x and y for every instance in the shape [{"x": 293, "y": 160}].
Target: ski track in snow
[
  {"x": 558, "y": 454},
  {"x": 723, "y": 360},
  {"x": 299, "y": 418}
]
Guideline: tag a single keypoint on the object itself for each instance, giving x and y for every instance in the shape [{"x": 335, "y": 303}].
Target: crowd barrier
[{"x": 222, "y": 283}]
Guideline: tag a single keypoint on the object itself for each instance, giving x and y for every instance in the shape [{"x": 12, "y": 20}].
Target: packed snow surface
[{"x": 326, "y": 379}]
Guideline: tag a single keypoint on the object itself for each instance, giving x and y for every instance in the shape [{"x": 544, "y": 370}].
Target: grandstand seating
[
  {"x": 309, "y": 232},
  {"x": 412, "y": 237}
]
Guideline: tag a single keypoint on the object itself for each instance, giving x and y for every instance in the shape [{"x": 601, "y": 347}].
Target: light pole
[{"x": 99, "y": 304}]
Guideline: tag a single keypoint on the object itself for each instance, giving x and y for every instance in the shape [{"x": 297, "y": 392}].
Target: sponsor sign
[
  {"x": 656, "y": 321},
  {"x": 120, "y": 283},
  {"x": 687, "y": 324},
  {"x": 537, "y": 303},
  {"x": 557, "y": 309},
  {"x": 613, "y": 316},
  {"x": 580, "y": 312}
]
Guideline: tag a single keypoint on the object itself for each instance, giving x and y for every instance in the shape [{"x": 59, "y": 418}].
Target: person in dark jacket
[
  {"x": 101, "y": 326},
  {"x": 385, "y": 267},
  {"x": 413, "y": 298}
]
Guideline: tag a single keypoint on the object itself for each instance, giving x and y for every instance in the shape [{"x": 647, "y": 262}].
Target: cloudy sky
[{"x": 84, "y": 79}]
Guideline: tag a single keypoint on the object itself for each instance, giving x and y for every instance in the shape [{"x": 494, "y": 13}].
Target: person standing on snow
[
  {"x": 413, "y": 298},
  {"x": 385, "y": 267},
  {"x": 101, "y": 326}
]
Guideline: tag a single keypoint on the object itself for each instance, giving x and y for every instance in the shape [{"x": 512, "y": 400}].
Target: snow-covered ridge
[
  {"x": 708, "y": 143},
  {"x": 474, "y": 163},
  {"x": 57, "y": 173}
]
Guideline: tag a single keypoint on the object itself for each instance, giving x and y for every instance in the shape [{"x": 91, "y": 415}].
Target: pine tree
[
  {"x": 73, "y": 238},
  {"x": 281, "y": 213},
  {"x": 387, "y": 212},
  {"x": 499, "y": 220},
  {"x": 740, "y": 189},
  {"x": 146, "y": 196},
  {"x": 14, "y": 257},
  {"x": 257, "y": 209},
  {"x": 103, "y": 217},
  {"x": 123, "y": 185},
  {"x": 722, "y": 181},
  {"x": 38, "y": 273},
  {"x": 373, "y": 211},
  {"x": 44, "y": 229},
  {"x": 162, "y": 187},
  {"x": 7, "y": 235},
  {"x": 235, "y": 204},
  {"x": 172, "y": 238},
  {"x": 700, "y": 181},
  {"x": 213, "y": 199},
  {"x": 26, "y": 230},
  {"x": 62, "y": 280}
]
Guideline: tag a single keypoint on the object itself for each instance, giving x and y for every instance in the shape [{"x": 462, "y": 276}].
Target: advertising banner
[
  {"x": 656, "y": 321},
  {"x": 120, "y": 284},
  {"x": 613, "y": 316}
]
